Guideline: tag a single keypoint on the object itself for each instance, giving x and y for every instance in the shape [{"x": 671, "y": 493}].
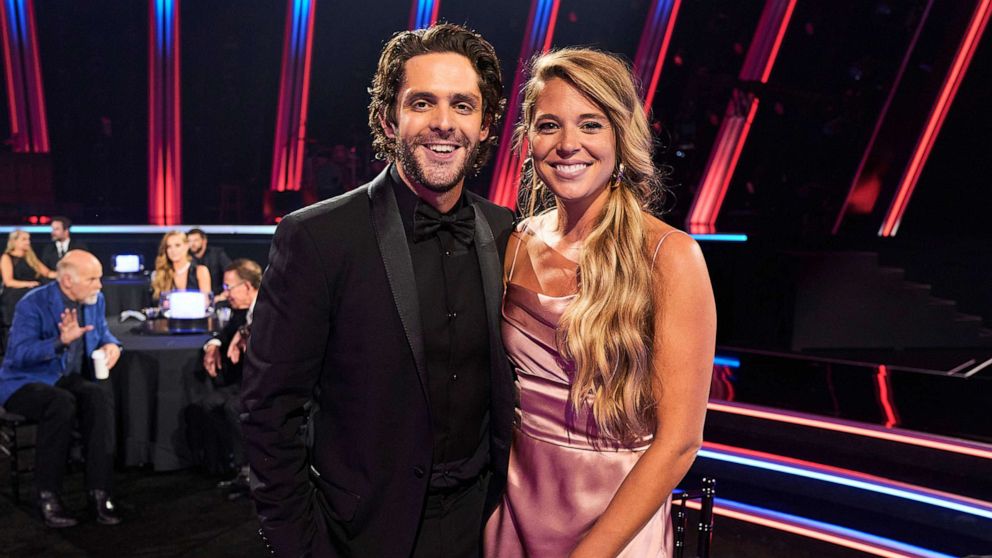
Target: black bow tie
[{"x": 427, "y": 221}]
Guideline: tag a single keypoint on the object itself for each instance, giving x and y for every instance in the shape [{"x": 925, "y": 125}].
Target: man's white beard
[{"x": 92, "y": 298}]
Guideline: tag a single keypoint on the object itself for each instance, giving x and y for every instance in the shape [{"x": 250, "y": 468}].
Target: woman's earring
[{"x": 617, "y": 177}]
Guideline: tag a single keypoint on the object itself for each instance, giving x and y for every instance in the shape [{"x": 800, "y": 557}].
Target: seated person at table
[
  {"x": 175, "y": 269},
  {"x": 213, "y": 257},
  {"x": 21, "y": 271},
  {"x": 222, "y": 360},
  {"x": 61, "y": 243},
  {"x": 47, "y": 377}
]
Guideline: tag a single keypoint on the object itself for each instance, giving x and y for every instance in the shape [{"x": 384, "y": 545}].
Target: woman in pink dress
[{"x": 610, "y": 323}]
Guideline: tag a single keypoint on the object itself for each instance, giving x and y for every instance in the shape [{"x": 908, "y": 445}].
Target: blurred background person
[
  {"x": 61, "y": 243},
  {"x": 175, "y": 269},
  {"x": 222, "y": 361},
  {"x": 21, "y": 271},
  {"x": 214, "y": 258}
]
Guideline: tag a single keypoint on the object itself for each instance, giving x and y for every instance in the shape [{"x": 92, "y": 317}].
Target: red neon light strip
[
  {"x": 506, "y": 176},
  {"x": 847, "y": 473},
  {"x": 11, "y": 71},
  {"x": 434, "y": 11},
  {"x": 885, "y": 396},
  {"x": 881, "y": 117},
  {"x": 726, "y": 508},
  {"x": 733, "y": 133},
  {"x": 297, "y": 177},
  {"x": 890, "y": 225},
  {"x": 929, "y": 441},
  {"x": 39, "y": 136},
  {"x": 662, "y": 53},
  {"x": 164, "y": 115},
  {"x": 770, "y": 62}
]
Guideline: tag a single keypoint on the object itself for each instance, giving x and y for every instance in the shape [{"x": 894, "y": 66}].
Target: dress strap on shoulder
[
  {"x": 657, "y": 247},
  {"x": 520, "y": 240}
]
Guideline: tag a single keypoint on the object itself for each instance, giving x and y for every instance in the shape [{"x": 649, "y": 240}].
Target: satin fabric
[{"x": 562, "y": 474}]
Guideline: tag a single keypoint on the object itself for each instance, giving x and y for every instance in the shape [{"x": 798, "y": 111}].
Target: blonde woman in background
[
  {"x": 20, "y": 270},
  {"x": 610, "y": 323},
  {"x": 174, "y": 269}
]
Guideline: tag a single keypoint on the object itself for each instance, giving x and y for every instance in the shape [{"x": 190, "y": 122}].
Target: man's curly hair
[{"x": 444, "y": 37}]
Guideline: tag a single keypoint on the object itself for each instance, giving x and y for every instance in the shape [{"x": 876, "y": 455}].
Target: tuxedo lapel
[
  {"x": 491, "y": 269},
  {"x": 399, "y": 267}
]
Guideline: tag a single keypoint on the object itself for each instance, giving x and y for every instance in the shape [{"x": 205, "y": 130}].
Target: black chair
[
  {"x": 680, "y": 519},
  {"x": 16, "y": 437}
]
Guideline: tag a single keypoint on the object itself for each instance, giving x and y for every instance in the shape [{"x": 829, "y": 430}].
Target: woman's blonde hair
[
  {"x": 164, "y": 277},
  {"x": 29, "y": 255},
  {"x": 607, "y": 331}
]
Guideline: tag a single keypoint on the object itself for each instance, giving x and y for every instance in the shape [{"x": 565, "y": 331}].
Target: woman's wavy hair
[
  {"x": 607, "y": 331},
  {"x": 29, "y": 255},
  {"x": 164, "y": 276},
  {"x": 444, "y": 37}
]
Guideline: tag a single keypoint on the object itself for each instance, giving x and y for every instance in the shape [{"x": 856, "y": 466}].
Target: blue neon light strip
[
  {"x": 832, "y": 529},
  {"x": 726, "y": 361},
  {"x": 424, "y": 10},
  {"x": 809, "y": 473},
  {"x": 542, "y": 18},
  {"x": 720, "y": 237}
]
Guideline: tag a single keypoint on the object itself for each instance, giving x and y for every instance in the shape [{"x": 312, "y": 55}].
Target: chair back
[{"x": 680, "y": 519}]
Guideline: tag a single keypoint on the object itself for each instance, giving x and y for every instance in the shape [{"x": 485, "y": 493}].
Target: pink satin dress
[{"x": 562, "y": 475}]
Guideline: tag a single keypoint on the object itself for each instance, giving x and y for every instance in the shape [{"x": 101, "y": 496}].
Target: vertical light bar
[
  {"x": 25, "y": 94},
  {"x": 959, "y": 67},
  {"x": 884, "y": 386},
  {"x": 653, "y": 46},
  {"x": 423, "y": 13},
  {"x": 294, "y": 96},
  {"x": 739, "y": 116},
  {"x": 164, "y": 147},
  {"x": 539, "y": 33}
]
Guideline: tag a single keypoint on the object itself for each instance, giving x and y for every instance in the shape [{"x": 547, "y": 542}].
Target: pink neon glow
[
  {"x": 40, "y": 128},
  {"x": 506, "y": 175},
  {"x": 437, "y": 6},
  {"x": 862, "y": 190},
  {"x": 936, "y": 119},
  {"x": 552, "y": 20},
  {"x": 894, "y": 435},
  {"x": 770, "y": 62},
  {"x": 885, "y": 396},
  {"x": 802, "y": 531},
  {"x": 720, "y": 168},
  {"x": 10, "y": 70},
  {"x": 662, "y": 53},
  {"x": 25, "y": 93},
  {"x": 296, "y": 179},
  {"x": 164, "y": 116},
  {"x": 858, "y": 475}
]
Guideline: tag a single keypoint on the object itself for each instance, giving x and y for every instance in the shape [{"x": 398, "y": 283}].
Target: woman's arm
[
  {"x": 203, "y": 279},
  {"x": 7, "y": 274},
  {"x": 43, "y": 271},
  {"x": 684, "y": 341}
]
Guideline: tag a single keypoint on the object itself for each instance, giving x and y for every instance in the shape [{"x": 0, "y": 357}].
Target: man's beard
[
  {"x": 90, "y": 300},
  {"x": 406, "y": 156}
]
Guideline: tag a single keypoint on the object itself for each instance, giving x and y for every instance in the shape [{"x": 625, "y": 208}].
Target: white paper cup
[{"x": 100, "y": 370}]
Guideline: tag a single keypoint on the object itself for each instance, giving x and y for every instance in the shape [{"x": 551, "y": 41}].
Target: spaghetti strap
[
  {"x": 513, "y": 262},
  {"x": 658, "y": 246}
]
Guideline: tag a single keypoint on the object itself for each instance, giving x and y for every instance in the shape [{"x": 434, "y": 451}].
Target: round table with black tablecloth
[
  {"x": 156, "y": 380},
  {"x": 126, "y": 293}
]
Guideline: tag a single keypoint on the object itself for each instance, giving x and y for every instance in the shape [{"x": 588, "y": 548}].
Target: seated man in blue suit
[{"x": 47, "y": 375}]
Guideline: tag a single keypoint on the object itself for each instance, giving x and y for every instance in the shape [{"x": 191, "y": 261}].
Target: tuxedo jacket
[
  {"x": 337, "y": 325},
  {"x": 50, "y": 254}
]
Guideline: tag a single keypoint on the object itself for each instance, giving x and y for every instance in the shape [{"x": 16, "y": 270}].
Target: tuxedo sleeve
[{"x": 284, "y": 361}]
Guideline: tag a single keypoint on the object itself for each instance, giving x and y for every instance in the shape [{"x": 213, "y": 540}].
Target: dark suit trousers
[
  {"x": 55, "y": 409},
  {"x": 223, "y": 407},
  {"x": 451, "y": 526}
]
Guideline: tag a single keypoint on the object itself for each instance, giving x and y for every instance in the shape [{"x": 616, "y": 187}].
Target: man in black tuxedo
[
  {"x": 380, "y": 309},
  {"x": 61, "y": 242}
]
